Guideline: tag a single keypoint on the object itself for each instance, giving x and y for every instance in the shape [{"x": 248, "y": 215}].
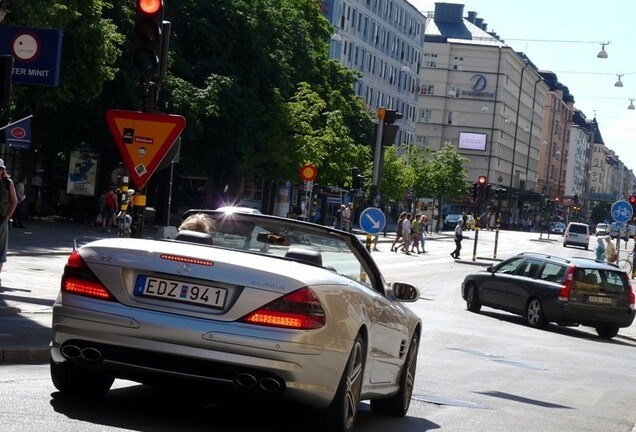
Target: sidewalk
[{"x": 25, "y": 319}]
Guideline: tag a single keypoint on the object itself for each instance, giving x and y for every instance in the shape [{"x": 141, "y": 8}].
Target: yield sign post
[{"x": 143, "y": 139}]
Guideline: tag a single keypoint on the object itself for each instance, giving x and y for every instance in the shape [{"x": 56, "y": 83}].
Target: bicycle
[
  {"x": 625, "y": 264},
  {"x": 123, "y": 225}
]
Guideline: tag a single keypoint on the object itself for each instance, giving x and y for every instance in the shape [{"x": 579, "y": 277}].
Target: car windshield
[{"x": 290, "y": 239}]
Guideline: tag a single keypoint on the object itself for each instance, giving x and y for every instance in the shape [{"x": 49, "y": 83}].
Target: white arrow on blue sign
[{"x": 372, "y": 220}]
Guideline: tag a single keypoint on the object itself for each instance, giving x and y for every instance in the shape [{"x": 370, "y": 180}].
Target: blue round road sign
[
  {"x": 372, "y": 220},
  {"x": 622, "y": 211}
]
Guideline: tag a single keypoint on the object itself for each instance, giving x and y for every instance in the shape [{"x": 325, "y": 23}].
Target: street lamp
[
  {"x": 619, "y": 83},
  {"x": 602, "y": 54},
  {"x": 631, "y": 104}
]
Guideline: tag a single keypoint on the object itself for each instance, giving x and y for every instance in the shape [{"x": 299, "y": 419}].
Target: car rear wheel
[
  {"x": 71, "y": 379},
  {"x": 398, "y": 405},
  {"x": 607, "y": 332},
  {"x": 341, "y": 414},
  {"x": 534, "y": 314},
  {"x": 472, "y": 298}
]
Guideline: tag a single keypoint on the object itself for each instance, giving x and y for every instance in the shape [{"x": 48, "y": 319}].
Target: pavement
[{"x": 26, "y": 308}]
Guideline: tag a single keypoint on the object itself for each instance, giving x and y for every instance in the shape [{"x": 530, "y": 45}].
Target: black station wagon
[{"x": 566, "y": 291}]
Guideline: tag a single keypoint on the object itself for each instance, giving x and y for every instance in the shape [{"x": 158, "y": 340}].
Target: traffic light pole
[{"x": 375, "y": 174}]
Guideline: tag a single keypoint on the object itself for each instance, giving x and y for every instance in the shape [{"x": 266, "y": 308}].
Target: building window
[
  {"x": 427, "y": 89},
  {"x": 422, "y": 141},
  {"x": 430, "y": 60},
  {"x": 425, "y": 116},
  {"x": 457, "y": 63},
  {"x": 450, "y": 118}
]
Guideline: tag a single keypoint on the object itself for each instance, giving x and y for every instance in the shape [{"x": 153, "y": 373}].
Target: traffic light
[
  {"x": 500, "y": 193},
  {"x": 357, "y": 180},
  {"x": 147, "y": 55},
  {"x": 632, "y": 200},
  {"x": 487, "y": 190},
  {"x": 390, "y": 116},
  {"x": 475, "y": 190}
]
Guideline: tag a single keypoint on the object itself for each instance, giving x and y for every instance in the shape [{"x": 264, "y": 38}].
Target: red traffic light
[
  {"x": 482, "y": 180},
  {"x": 632, "y": 199},
  {"x": 149, "y": 6}
]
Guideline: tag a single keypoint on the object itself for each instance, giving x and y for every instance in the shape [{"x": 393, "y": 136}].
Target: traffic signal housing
[
  {"x": 475, "y": 192},
  {"x": 147, "y": 44},
  {"x": 390, "y": 116}
]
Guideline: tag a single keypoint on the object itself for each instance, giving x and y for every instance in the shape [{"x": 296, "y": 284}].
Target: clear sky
[{"x": 574, "y": 30}]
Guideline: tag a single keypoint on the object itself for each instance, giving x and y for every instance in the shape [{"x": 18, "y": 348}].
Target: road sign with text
[{"x": 143, "y": 139}]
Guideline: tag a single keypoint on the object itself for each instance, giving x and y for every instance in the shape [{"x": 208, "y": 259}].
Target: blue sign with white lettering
[
  {"x": 36, "y": 54},
  {"x": 622, "y": 211},
  {"x": 372, "y": 220}
]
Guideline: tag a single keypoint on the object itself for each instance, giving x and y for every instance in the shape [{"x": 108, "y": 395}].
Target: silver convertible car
[{"x": 311, "y": 320}]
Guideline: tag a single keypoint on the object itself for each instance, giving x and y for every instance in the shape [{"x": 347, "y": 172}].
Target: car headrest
[
  {"x": 194, "y": 237},
  {"x": 304, "y": 255}
]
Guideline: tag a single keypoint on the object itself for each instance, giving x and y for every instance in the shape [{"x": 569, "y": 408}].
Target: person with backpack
[{"x": 8, "y": 204}]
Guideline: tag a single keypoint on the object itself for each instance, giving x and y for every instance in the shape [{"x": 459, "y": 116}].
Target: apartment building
[{"x": 383, "y": 40}]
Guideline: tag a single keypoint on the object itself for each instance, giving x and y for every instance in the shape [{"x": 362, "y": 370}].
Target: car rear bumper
[
  {"x": 571, "y": 314},
  {"x": 158, "y": 348}
]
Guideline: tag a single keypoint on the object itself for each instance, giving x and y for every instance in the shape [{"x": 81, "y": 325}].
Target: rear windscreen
[{"x": 579, "y": 229}]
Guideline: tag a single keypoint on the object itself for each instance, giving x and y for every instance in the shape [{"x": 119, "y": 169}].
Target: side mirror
[{"x": 405, "y": 292}]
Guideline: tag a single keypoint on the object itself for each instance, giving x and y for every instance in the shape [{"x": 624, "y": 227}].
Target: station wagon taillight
[
  {"x": 632, "y": 298},
  {"x": 566, "y": 289},
  {"x": 299, "y": 309},
  {"x": 79, "y": 279}
]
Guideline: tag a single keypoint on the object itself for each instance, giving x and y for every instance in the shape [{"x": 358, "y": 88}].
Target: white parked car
[{"x": 312, "y": 320}]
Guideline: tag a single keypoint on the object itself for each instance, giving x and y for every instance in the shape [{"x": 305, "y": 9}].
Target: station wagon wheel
[
  {"x": 607, "y": 332},
  {"x": 534, "y": 314},
  {"x": 71, "y": 379},
  {"x": 472, "y": 298},
  {"x": 398, "y": 404},
  {"x": 341, "y": 414}
]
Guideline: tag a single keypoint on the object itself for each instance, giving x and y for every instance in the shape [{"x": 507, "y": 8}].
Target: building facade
[{"x": 383, "y": 40}]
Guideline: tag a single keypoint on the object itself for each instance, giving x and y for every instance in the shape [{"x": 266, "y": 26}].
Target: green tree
[{"x": 397, "y": 176}]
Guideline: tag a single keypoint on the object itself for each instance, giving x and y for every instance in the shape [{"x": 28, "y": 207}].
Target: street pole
[{"x": 375, "y": 175}]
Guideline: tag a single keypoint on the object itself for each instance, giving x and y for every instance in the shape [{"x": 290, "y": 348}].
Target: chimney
[{"x": 471, "y": 16}]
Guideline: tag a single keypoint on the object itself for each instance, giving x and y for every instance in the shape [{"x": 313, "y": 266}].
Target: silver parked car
[{"x": 311, "y": 320}]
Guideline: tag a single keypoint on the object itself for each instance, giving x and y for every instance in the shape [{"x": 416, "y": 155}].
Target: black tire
[
  {"x": 71, "y": 379},
  {"x": 472, "y": 298},
  {"x": 341, "y": 414},
  {"x": 607, "y": 332},
  {"x": 534, "y": 314},
  {"x": 398, "y": 404}
]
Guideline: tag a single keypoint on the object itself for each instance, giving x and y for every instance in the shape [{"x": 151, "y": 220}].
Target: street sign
[
  {"x": 622, "y": 211},
  {"x": 308, "y": 172},
  {"x": 372, "y": 220},
  {"x": 143, "y": 139}
]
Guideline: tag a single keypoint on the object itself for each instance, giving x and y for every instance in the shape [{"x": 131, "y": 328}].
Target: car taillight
[
  {"x": 632, "y": 298},
  {"x": 79, "y": 279},
  {"x": 566, "y": 289},
  {"x": 300, "y": 309}
]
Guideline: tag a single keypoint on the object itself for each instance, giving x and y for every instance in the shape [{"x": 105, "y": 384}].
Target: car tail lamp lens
[
  {"x": 79, "y": 279},
  {"x": 300, "y": 309},
  {"x": 566, "y": 289},
  {"x": 632, "y": 299}
]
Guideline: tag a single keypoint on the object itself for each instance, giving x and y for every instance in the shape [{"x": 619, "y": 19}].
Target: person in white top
[
  {"x": 459, "y": 236},
  {"x": 406, "y": 233}
]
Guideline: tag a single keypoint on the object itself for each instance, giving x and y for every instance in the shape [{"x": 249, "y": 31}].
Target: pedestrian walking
[
  {"x": 424, "y": 222},
  {"x": 600, "y": 250},
  {"x": 338, "y": 223},
  {"x": 108, "y": 209},
  {"x": 416, "y": 231},
  {"x": 346, "y": 218},
  {"x": 8, "y": 203},
  {"x": 20, "y": 193},
  {"x": 459, "y": 236},
  {"x": 406, "y": 233},
  {"x": 610, "y": 250},
  {"x": 398, "y": 233}
]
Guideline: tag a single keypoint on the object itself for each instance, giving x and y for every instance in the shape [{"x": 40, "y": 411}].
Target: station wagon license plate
[
  {"x": 188, "y": 292},
  {"x": 600, "y": 300}
]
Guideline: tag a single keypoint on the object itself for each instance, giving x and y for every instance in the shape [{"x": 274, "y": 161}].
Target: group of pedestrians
[
  {"x": 605, "y": 250},
  {"x": 409, "y": 234}
]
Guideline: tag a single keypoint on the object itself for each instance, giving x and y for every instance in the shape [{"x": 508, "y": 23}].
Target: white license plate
[
  {"x": 600, "y": 300},
  {"x": 180, "y": 291}
]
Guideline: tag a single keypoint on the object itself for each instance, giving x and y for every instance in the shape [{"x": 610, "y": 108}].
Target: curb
[{"x": 24, "y": 355}]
